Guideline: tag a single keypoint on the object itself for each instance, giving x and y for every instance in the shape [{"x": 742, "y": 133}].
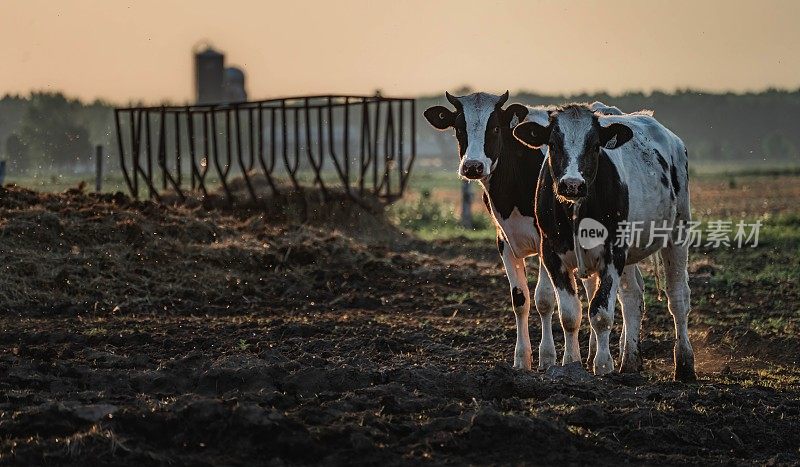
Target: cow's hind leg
[
  {"x": 520, "y": 302},
  {"x": 675, "y": 258},
  {"x": 632, "y": 302},
  {"x": 544, "y": 299}
]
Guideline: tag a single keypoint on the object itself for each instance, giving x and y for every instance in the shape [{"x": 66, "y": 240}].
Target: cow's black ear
[
  {"x": 503, "y": 99},
  {"x": 615, "y": 135},
  {"x": 532, "y": 134},
  {"x": 440, "y": 117},
  {"x": 514, "y": 110}
]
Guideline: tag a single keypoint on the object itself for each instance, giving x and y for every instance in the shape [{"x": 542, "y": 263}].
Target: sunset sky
[{"x": 141, "y": 50}]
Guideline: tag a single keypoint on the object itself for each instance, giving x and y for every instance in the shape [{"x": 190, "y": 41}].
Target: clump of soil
[{"x": 89, "y": 252}]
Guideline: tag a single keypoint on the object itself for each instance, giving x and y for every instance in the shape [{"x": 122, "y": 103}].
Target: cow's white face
[
  {"x": 478, "y": 135},
  {"x": 579, "y": 148},
  {"x": 574, "y": 135},
  {"x": 480, "y": 124}
]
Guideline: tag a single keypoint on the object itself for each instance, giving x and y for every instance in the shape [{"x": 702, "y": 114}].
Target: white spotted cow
[
  {"x": 612, "y": 169},
  {"x": 507, "y": 171}
]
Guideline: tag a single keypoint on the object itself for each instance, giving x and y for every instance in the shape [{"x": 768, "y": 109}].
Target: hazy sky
[{"x": 123, "y": 50}]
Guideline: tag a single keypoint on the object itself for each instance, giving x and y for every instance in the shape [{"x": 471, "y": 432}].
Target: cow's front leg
[
  {"x": 632, "y": 301},
  {"x": 569, "y": 307},
  {"x": 590, "y": 285},
  {"x": 520, "y": 302},
  {"x": 569, "y": 310},
  {"x": 544, "y": 298},
  {"x": 601, "y": 316}
]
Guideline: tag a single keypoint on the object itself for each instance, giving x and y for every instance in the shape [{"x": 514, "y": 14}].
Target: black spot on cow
[
  {"x": 600, "y": 297},
  {"x": 517, "y": 297},
  {"x": 513, "y": 181},
  {"x": 500, "y": 245},
  {"x": 686, "y": 162},
  {"x": 676, "y": 185},
  {"x": 661, "y": 161},
  {"x": 607, "y": 202}
]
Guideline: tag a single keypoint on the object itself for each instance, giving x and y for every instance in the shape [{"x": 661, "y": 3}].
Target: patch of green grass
[
  {"x": 59, "y": 182},
  {"x": 777, "y": 377},
  {"x": 775, "y": 259},
  {"x": 775, "y": 324},
  {"x": 753, "y": 287},
  {"x": 460, "y": 297},
  {"x": 95, "y": 332},
  {"x": 711, "y": 170},
  {"x": 433, "y": 220},
  {"x": 437, "y": 179}
]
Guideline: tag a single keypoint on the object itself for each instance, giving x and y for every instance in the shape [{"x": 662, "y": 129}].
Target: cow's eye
[{"x": 496, "y": 130}]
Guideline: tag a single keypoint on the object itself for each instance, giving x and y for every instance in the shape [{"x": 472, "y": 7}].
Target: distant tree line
[
  {"x": 753, "y": 128},
  {"x": 46, "y": 131}
]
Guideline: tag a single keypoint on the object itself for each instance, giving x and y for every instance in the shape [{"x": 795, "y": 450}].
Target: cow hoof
[
  {"x": 544, "y": 365},
  {"x": 684, "y": 365},
  {"x": 685, "y": 373},
  {"x": 571, "y": 358},
  {"x": 546, "y": 360},
  {"x": 522, "y": 366},
  {"x": 603, "y": 365},
  {"x": 631, "y": 365},
  {"x": 522, "y": 362}
]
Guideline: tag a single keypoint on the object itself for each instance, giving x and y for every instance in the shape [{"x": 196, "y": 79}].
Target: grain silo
[
  {"x": 234, "y": 85},
  {"x": 209, "y": 72}
]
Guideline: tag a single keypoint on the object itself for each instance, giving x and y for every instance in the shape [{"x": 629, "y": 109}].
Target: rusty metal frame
[{"x": 366, "y": 144}]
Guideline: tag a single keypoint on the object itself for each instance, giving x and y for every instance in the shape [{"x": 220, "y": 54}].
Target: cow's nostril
[
  {"x": 472, "y": 169},
  {"x": 571, "y": 187}
]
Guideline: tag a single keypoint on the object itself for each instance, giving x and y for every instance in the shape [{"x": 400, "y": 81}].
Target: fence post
[
  {"x": 98, "y": 168},
  {"x": 466, "y": 205},
  {"x": 2, "y": 172}
]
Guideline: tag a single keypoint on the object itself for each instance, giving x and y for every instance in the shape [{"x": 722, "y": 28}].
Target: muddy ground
[{"x": 133, "y": 334}]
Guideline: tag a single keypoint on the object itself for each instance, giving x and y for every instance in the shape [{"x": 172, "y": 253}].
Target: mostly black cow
[
  {"x": 507, "y": 171},
  {"x": 612, "y": 171}
]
